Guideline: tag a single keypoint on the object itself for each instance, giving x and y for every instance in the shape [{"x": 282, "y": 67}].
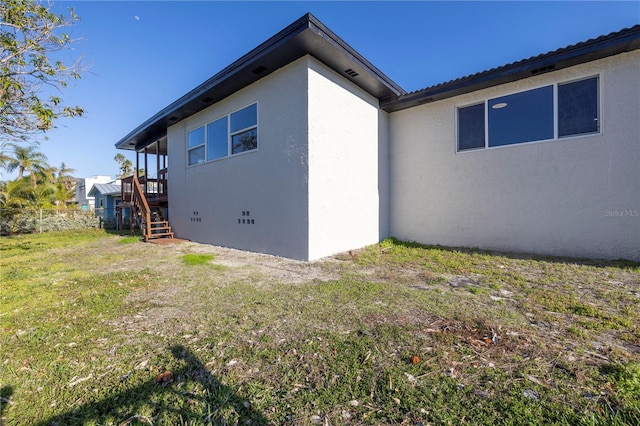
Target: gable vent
[
  {"x": 351, "y": 73},
  {"x": 543, "y": 69},
  {"x": 259, "y": 70}
]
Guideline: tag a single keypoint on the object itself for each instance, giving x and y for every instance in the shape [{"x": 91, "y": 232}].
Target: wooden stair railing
[{"x": 152, "y": 223}]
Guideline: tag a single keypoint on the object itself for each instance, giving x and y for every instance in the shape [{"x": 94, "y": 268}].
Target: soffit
[{"x": 306, "y": 36}]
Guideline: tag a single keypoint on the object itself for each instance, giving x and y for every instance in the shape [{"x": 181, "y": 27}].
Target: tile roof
[{"x": 607, "y": 45}]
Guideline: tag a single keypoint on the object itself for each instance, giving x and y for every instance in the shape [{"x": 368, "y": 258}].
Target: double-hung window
[
  {"x": 228, "y": 135},
  {"x": 195, "y": 144},
  {"x": 545, "y": 113},
  {"x": 244, "y": 129}
]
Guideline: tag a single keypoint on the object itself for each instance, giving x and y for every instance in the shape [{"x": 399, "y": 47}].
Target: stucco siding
[
  {"x": 345, "y": 130},
  {"x": 577, "y": 196},
  {"x": 267, "y": 186}
]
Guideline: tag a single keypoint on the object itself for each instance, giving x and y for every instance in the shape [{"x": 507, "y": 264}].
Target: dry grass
[{"x": 395, "y": 333}]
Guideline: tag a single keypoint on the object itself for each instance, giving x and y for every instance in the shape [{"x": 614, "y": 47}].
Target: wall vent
[
  {"x": 259, "y": 70},
  {"x": 207, "y": 100},
  {"x": 543, "y": 69},
  {"x": 351, "y": 73},
  {"x": 173, "y": 118}
]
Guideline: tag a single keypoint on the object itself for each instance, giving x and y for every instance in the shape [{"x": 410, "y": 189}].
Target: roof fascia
[
  {"x": 305, "y": 36},
  {"x": 602, "y": 47},
  {"x": 352, "y": 54}
]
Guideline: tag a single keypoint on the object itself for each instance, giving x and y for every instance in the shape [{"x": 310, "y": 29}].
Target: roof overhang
[
  {"x": 306, "y": 36},
  {"x": 612, "y": 44}
]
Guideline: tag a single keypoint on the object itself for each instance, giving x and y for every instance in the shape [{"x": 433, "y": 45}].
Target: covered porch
[{"x": 151, "y": 171}]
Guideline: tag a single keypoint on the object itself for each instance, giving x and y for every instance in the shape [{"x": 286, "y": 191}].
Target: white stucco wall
[
  {"x": 317, "y": 184},
  {"x": 346, "y": 132},
  {"x": 574, "y": 197},
  {"x": 206, "y": 200}
]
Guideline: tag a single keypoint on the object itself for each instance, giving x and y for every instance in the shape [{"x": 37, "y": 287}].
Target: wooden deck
[
  {"x": 146, "y": 200},
  {"x": 154, "y": 189}
]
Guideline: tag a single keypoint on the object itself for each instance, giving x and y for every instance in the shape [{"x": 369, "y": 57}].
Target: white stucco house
[{"x": 302, "y": 148}]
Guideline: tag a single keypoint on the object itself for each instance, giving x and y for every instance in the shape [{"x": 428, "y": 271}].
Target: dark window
[
  {"x": 578, "y": 107},
  {"x": 521, "y": 117},
  {"x": 529, "y": 116},
  {"x": 471, "y": 127}
]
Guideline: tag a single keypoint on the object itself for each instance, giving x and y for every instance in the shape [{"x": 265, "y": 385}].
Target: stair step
[
  {"x": 157, "y": 226},
  {"x": 160, "y": 235}
]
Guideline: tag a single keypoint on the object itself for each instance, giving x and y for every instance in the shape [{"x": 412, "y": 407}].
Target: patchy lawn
[{"x": 99, "y": 332}]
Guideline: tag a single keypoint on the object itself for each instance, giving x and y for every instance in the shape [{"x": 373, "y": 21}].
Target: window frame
[
  {"x": 598, "y": 107},
  {"x": 485, "y": 101},
  {"x": 229, "y": 135},
  {"x": 202, "y": 145},
  {"x": 240, "y": 131}
]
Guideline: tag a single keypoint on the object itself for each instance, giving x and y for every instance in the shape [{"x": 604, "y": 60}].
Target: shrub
[{"x": 27, "y": 221}]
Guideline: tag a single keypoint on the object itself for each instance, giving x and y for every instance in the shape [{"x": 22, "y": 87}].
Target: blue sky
[{"x": 141, "y": 56}]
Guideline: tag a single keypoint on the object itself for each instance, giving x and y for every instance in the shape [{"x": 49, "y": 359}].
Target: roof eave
[
  {"x": 306, "y": 36},
  {"x": 564, "y": 58}
]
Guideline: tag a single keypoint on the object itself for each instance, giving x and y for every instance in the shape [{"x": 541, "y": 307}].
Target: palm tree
[
  {"x": 44, "y": 175},
  {"x": 62, "y": 194},
  {"x": 44, "y": 195},
  {"x": 4, "y": 159},
  {"x": 16, "y": 193},
  {"x": 65, "y": 178},
  {"x": 27, "y": 160}
]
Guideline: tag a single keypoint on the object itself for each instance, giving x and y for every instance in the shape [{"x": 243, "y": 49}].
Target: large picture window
[
  {"x": 521, "y": 117},
  {"x": 232, "y": 134},
  {"x": 545, "y": 113},
  {"x": 217, "y": 139}
]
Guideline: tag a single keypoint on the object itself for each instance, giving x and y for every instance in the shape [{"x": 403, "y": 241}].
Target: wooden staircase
[
  {"x": 150, "y": 221},
  {"x": 158, "y": 227}
]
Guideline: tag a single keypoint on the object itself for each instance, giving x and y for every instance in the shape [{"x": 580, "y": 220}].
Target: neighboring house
[
  {"x": 107, "y": 197},
  {"x": 83, "y": 186},
  {"x": 302, "y": 148}
]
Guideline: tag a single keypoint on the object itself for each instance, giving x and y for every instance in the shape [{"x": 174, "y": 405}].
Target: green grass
[
  {"x": 88, "y": 323},
  {"x": 196, "y": 259},
  {"x": 129, "y": 240}
]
